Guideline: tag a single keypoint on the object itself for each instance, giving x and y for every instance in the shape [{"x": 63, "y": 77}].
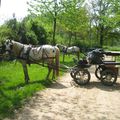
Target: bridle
[{"x": 9, "y": 50}]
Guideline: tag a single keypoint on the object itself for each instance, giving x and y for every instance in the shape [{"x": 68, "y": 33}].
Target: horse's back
[
  {"x": 73, "y": 49},
  {"x": 44, "y": 51}
]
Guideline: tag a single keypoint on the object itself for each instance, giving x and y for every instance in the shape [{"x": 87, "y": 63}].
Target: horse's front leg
[
  {"x": 63, "y": 57},
  {"x": 24, "y": 65},
  {"x": 49, "y": 71},
  {"x": 50, "y": 68},
  {"x": 54, "y": 72}
]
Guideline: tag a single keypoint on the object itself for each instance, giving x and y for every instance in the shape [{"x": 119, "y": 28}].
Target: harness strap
[
  {"x": 19, "y": 55},
  {"x": 25, "y": 55}
]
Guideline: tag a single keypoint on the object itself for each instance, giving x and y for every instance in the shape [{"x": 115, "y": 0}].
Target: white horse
[
  {"x": 69, "y": 50},
  {"x": 27, "y": 54}
]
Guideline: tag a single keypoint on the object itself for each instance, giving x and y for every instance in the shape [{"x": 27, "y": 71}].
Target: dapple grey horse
[
  {"x": 28, "y": 54},
  {"x": 69, "y": 50}
]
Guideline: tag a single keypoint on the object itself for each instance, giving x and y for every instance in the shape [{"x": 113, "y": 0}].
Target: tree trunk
[
  {"x": 90, "y": 33},
  {"x": 70, "y": 38},
  {"x": 101, "y": 35},
  {"x": 54, "y": 21},
  {"x": 54, "y": 30},
  {"x": 75, "y": 36}
]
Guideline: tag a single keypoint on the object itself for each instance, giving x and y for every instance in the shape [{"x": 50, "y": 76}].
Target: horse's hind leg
[
  {"x": 49, "y": 71},
  {"x": 54, "y": 72},
  {"x": 24, "y": 65},
  {"x": 63, "y": 57}
]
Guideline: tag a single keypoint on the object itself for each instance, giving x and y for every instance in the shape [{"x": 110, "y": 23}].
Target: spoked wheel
[
  {"x": 72, "y": 74},
  {"x": 98, "y": 72},
  {"x": 73, "y": 70},
  {"x": 82, "y": 77},
  {"x": 108, "y": 77}
]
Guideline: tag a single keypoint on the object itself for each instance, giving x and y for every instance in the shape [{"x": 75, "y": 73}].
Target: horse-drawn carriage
[{"x": 106, "y": 70}]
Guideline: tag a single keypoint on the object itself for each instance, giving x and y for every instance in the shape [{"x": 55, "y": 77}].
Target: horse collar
[{"x": 24, "y": 54}]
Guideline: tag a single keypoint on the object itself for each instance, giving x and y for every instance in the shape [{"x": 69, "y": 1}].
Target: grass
[{"x": 13, "y": 90}]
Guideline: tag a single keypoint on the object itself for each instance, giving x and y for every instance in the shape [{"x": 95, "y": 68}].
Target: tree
[
  {"x": 74, "y": 19},
  {"x": 103, "y": 14},
  {"x": 43, "y": 7},
  {"x": 5, "y": 32},
  {"x": 39, "y": 32},
  {"x": 31, "y": 32},
  {"x": 27, "y": 31},
  {"x": 12, "y": 25}
]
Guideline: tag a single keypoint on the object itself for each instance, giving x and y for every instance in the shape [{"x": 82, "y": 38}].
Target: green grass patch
[{"x": 13, "y": 90}]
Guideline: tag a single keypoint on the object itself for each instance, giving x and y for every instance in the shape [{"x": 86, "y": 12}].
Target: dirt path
[{"x": 65, "y": 101}]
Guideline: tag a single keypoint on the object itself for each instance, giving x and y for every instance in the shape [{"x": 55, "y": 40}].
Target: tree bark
[
  {"x": 54, "y": 22},
  {"x": 54, "y": 30},
  {"x": 70, "y": 38},
  {"x": 101, "y": 35}
]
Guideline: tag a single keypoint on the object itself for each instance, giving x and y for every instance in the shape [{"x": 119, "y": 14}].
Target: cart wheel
[
  {"x": 108, "y": 77},
  {"x": 98, "y": 72},
  {"x": 72, "y": 72},
  {"x": 82, "y": 77}
]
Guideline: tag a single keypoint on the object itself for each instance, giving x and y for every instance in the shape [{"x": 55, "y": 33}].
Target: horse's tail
[{"x": 57, "y": 63}]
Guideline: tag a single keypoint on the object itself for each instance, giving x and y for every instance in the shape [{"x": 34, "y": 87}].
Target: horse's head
[
  {"x": 7, "y": 46},
  {"x": 61, "y": 47},
  {"x": 58, "y": 45}
]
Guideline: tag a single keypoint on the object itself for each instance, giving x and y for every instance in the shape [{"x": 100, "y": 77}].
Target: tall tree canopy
[
  {"x": 43, "y": 7},
  {"x": 69, "y": 15},
  {"x": 105, "y": 17}
]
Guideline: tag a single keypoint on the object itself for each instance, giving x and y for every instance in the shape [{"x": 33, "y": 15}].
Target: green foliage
[
  {"x": 31, "y": 37},
  {"x": 26, "y": 31},
  {"x": 69, "y": 22},
  {"x": 74, "y": 18},
  {"x": 12, "y": 25},
  {"x": 39, "y": 32},
  {"x": 105, "y": 16},
  {"x": 31, "y": 31},
  {"x": 13, "y": 91},
  {"x": 5, "y": 32}
]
